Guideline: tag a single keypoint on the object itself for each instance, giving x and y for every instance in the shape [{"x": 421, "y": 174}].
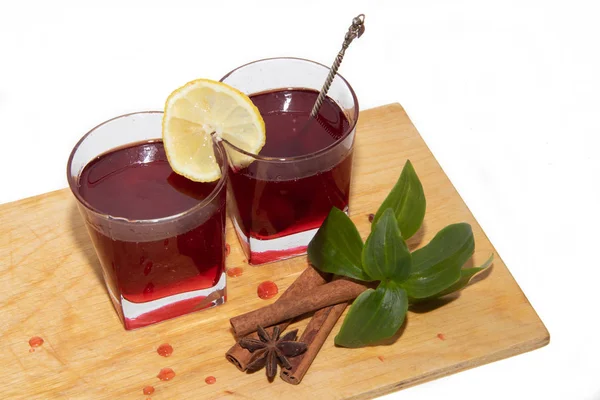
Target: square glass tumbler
[
  {"x": 160, "y": 238},
  {"x": 279, "y": 200}
]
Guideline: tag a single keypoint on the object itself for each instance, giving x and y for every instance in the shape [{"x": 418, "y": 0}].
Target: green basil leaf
[
  {"x": 465, "y": 277},
  {"x": 407, "y": 200},
  {"x": 437, "y": 266},
  {"x": 337, "y": 247},
  {"x": 385, "y": 255},
  {"x": 375, "y": 315}
]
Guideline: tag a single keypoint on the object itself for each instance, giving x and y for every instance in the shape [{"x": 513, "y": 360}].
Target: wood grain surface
[{"x": 51, "y": 286}]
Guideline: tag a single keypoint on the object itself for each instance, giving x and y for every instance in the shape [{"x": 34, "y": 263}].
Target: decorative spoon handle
[{"x": 355, "y": 31}]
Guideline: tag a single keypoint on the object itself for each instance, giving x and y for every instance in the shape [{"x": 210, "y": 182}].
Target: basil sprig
[
  {"x": 376, "y": 314},
  {"x": 337, "y": 247},
  {"x": 407, "y": 201},
  {"x": 428, "y": 273}
]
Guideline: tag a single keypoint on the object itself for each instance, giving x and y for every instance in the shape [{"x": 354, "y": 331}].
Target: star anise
[{"x": 272, "y": 350}]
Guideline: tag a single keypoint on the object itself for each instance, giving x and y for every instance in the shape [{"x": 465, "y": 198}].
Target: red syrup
[
  {"x": 34, "y": 342},
  {"x": 267, "y": 290},
  {"x": 165, "y": 350},
  {"x": 210, "y": 380},
  {"x": 148, "y": 390},
  {"x": 235, "y": 272},
  {"x": 266, "y": 208},
  {"x": 136, "y": 182},
  {"x": 166, "y": 374}
]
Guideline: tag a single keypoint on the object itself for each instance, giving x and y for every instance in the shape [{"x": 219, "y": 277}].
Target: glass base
[
  {"x": 259, "y": 251},
  {"x": 137, "y": 315}
]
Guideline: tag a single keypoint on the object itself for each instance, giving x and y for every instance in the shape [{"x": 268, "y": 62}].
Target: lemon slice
[{"x": 202, "y": 108}]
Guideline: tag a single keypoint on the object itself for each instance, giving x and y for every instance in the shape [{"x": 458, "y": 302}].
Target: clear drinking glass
[
  {"x": 160, "y": 238},
  {"x": 281, "y": 198}
]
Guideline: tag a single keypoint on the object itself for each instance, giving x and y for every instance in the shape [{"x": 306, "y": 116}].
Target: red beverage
[
  {"x": 159, "y": 236},
  {"x": 286, "y": 207},
  {"x": 265, "y": 205}
]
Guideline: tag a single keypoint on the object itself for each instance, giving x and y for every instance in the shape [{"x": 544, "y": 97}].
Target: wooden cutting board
[{"x": 51, "y": 286}]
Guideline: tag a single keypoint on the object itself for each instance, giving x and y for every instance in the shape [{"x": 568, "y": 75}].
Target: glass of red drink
[
  {"x": 279, "y": 200},
  {"x": 160, "y": 237}
]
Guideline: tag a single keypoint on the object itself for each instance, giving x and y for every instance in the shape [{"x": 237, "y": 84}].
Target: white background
[{"x": 505, "y": 93}]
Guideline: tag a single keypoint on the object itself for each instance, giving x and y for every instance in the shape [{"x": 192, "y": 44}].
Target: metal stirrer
[{"x": 355, "y": 31}]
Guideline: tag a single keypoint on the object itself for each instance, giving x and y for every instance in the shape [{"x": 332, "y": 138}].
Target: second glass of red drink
[{"x": 281, "y": 196}]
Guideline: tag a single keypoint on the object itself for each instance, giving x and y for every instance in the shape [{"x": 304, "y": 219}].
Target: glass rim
[
  {"x": 74, "y": 181},
  {"x": 317, "y": 153}
]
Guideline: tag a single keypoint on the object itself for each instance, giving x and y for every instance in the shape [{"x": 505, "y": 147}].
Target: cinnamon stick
[
  {"x": 335, "y": 292},
  {"x": 309, "y": 279},
  {"x": 314, "y": 336}
]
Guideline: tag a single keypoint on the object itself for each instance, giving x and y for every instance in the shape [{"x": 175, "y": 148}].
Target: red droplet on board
[
  {"x": 441, "y": 336},
  {"x": 227, "y": 249},
  {"x": 165, "y": 350},
  {"x": 166, "y": 374},
  {"x": 371, "y": 217},
  {"x": 267, "y": 290},
  {"x": 148, "y": 390},
  {"x": 235, "y": 272},
  {"x": 210, "y": 380},
  {"x": 36, "y": 341},
  {"x": 381, "y": 358}
]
